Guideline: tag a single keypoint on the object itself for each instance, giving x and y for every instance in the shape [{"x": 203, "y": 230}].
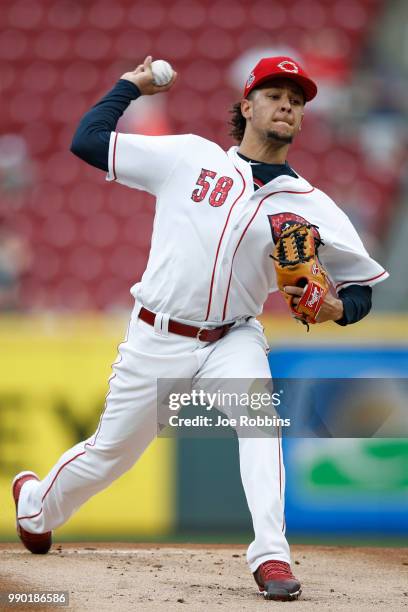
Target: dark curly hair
[{"x": 237, "y": 123}]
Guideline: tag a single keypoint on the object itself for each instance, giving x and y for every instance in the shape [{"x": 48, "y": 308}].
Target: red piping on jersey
[
  {"x": 85, "y": 445},
  {"x": 103, "y": 412},
  {"x": 280, "y": 472},
  {"x": 280, "y": 464},
  {"x": 219, "y": 244},
  {"x": 244, "y": 232},
  {"x": 69, "y": 461},
  {"x": 114, "y": 157},
  {"x": 56, "y": 475},
  {"x": 108, "y": 393},
  {"x": 20, "y": 518},
  {"x": 367, "y": 280}
]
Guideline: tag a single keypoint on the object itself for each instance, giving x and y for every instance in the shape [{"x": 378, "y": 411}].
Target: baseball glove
[{"x": 296, "y": 263}]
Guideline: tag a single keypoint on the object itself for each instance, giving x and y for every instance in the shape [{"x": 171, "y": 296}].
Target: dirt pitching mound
[{"x": 129, "y": 577}]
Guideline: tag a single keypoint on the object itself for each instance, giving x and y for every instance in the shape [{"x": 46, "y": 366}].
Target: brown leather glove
[{"x": 297, "y": 264}]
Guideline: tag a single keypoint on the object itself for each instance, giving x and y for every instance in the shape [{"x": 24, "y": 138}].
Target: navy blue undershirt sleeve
[
  {"x": 91, "y": 139},
  {"x": 357, "y": 303}
]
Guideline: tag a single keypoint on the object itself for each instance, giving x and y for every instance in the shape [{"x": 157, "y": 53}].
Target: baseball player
[{"x": 218, "y": 215}]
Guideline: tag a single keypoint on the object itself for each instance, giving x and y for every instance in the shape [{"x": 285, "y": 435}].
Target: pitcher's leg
[
  {"x": 240, "y": 358},
  {"x": 262, "y": 474},
  {"x": 127, "y": 426}
]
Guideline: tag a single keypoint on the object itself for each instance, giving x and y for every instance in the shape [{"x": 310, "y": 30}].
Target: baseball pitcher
[{"x": 230, "y": 227}]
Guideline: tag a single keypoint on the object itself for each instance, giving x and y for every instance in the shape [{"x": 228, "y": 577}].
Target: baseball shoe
[
  {"x": 37, "y": 543},
  {"x": 276, "y": 581}
]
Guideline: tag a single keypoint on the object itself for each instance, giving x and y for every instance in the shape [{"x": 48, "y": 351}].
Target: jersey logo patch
[{"x": 282, "y": 221}]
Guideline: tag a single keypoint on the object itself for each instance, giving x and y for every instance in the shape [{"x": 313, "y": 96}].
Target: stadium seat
[
  {"x": 52, "y": 45},
  {"x": 13, "y": 45},
  {"x": 65, "y": 15},
  {"x": 188, "y": 15},
  {"x": 25, "y": 15}
]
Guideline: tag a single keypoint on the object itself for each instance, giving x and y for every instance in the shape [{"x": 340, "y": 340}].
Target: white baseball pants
[{"x": 129, "y": 423}]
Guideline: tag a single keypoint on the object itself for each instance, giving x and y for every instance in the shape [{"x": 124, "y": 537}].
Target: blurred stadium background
[{"x": 71, "y": 246}]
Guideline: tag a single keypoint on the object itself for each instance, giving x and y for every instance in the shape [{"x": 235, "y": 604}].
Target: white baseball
[{"x": 162, "y": 72}]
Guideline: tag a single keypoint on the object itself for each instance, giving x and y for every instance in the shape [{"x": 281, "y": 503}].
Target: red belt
[{"x": 200, "y": 333}]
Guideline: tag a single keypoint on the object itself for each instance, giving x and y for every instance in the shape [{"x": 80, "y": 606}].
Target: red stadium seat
[
  {"x": 71, "y": 293},
  {"x": 13, "y": 45},
  {"x": 188, "y": 104},
  {"x": 8, "y": 75},
  {"x": 230, "y": 15},
  {"x": 67, "y": 106},
  {"x": 86, "y": 199},
  {"x": 63, "y": 137},
  {"x": 173, "y": 44},
  {"x": 100, "y": 230},
  {"x": 27, "y": 108},
  {"x": 188, "y": 15},
  {"x": 92, "y": 45},
  {"x": 138, "y": 230},
  {"x": 271, "y": 14},
  {"x": 47, "y": 263},
  {"x": 310, "y": 14},
  {"x": 52, "y": 45},
  {"x": 128, "y": 204},
  {"x": 59, "y": 230},
  {"x": 106, "y": 15},
  {"x": 216, "y": 44},
  {"x": 132, "y": 45},
  {"x": 219, "y": 103},
  {"x": 85, "y": 263},
  {"x": 350, "y": 14},
  {"x": 25, "y": 225},
  {"x": 341, "y": 166},
  {"x": 39, "y": 76},
  {"x": 316, "y": 136},
  {"x": 80, "y": 76},
  {"x": 203, "y": 76},
  {"x": 111, "y": 293},
  {"x": 46, "y": 199},
  {"x": 255, "y": 37},
  {"x": 25, "y": 14},
  {"x": 66, "y": 15},
  {"x": 306, "y": 164},
  {"x": 146, "y": 15},
  {"x": 38, "y": 136},
  {"x": 127, "y": 262},
  {"x": 62, "y": 168}
]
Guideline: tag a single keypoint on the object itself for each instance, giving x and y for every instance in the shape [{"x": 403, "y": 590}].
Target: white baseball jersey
[
  {"x": 213, "y": 234},
  {"x": 209, "y": 261}
]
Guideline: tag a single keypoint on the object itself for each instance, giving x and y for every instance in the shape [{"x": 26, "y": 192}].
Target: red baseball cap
[{"x": 272, "y": 67}]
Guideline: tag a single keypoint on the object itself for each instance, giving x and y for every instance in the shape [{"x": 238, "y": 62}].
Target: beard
[{"x": 277, "y": 137}]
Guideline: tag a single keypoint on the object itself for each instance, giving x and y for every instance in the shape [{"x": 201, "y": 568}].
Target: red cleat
[
  {"x": 276, "y": 581},
  {"x": 37, "y": 543}
]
